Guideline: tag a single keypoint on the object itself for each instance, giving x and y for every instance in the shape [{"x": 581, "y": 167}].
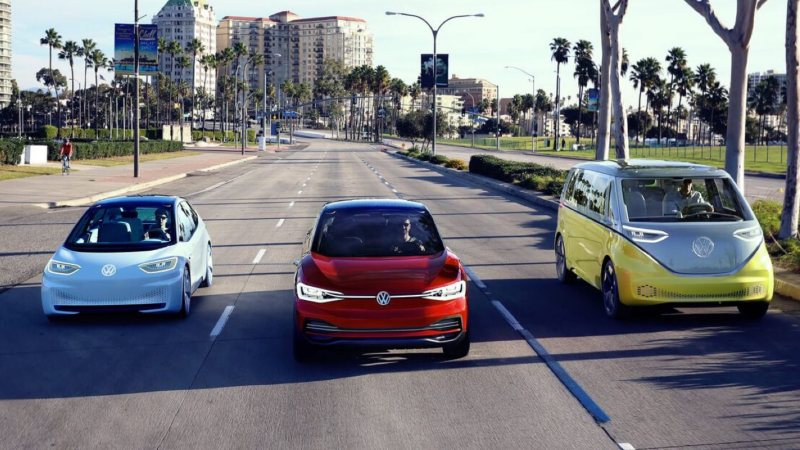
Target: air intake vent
[{"x": 651, "y": 292}]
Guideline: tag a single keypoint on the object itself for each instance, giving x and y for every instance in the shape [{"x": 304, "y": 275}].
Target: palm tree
[
  {"x": 658, "y": 98},
  {"x": 183, "y": 87},
  {"x": 625, "y": 62},
  {"x": 173, "y": 48},
  {"x": 585, "y": 71},
  {"x": 195, "y": 47},
  {"x": 560, "y": 54},
  {"x": 98, "y": 61},
  {"x": 68, "y": 53},
  {"x": 704, "y": 78},
  {"x": 676, "y": 59},
  {"x": 163, "y": 48},
  {"x": 717, "y": 100},
  {"x": 53, "y": 41},
  {"x": 380, "y": 86},
  {"x": 684, "y": 84},
  {"x": 208, "y": 62},
  {"x": 87, "y": 47},
  {"x": 415, "y": 91},
  {"x": 763, "y": 99}
]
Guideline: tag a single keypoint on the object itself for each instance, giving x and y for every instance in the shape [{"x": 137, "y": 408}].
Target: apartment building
[
  {"x": 5, "y": 53},
  {"x": 470, "y": 89}
]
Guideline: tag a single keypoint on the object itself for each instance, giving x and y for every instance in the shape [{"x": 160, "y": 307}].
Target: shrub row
[
  {"x": 440, "y": 160},
  {"x": 49, "y": 132},
  {"x": 11, "y": 151},
  {"x": 107, "y": 149},
  {"x": 216, "y": 135},
  {"x": 529, "y": 175}
]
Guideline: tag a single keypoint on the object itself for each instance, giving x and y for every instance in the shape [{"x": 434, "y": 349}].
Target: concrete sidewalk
[{"x": 93, "y": 183}]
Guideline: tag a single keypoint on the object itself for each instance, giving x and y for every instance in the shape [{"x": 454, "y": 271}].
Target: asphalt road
[
  {"x": 699, "y": 379},
  {"x": 756, "y": 187}
]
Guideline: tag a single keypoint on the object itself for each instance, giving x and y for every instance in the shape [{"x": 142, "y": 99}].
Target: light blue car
[{"x": 138, "y": 253}]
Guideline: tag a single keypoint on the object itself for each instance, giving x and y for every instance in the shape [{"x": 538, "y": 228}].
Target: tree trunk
[
  {"x": 621, "y": 147},
  {"x": 791, "y": 202},
  {"x": 580, "y": 109},
  {"x": 72, "y": 103},
  {"x": 557, "y": 119},
  {"x": 96, "y": 109}
]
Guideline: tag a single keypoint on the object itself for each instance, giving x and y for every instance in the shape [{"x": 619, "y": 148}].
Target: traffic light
[{"x": 463, "y": 112}]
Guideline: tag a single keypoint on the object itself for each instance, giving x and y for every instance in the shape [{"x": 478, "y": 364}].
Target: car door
[
  {"x": 595, "y": 231},
  {"x": 569, "y": 219},
  {"x": 190, "y": 239},
  {"x": 203, "y": 237}
]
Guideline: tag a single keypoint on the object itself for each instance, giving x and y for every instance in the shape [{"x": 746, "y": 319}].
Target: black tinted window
[
  {"x": 370, "y": 233},
  {"x": 123, "y": 227}
]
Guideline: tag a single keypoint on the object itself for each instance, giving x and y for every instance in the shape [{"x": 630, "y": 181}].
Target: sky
[{"x": 512, "y": 33}]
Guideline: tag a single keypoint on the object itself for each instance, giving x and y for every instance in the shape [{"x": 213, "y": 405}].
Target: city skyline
[{"x": 512, "y": 33}]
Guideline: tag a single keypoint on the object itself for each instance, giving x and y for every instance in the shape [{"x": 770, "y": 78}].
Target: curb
[
  {"x": 135, "y": 188},
  {"x": 785, "y": 287},
  {"x": 515, "y": 191}
]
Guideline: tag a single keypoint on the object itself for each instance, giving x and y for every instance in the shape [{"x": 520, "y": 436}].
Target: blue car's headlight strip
[
  {"x": 162, "y": 265},
  {"x": 62, "y": 268}
]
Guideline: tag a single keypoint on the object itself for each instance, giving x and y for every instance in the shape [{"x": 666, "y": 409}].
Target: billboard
[
  {"x": 443, "y": 70},
  {"x": 124, "y": 42},
  {"x": 594, "y": 99}
]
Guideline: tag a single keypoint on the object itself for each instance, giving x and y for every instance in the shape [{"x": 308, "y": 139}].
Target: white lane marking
[
  {"x": 511, "y": 319},
  {"x": 223, "y": 319},
  {"x": 222, "y": 183},
  {"x": 308, "y": 178},
  {"x": 260, "y": 255},
  {"x": 304, "y": 184},
  {"x": 291, "y": 204},
  {"x": 280, "y": 222},
  {"x": 394, "y": 190},
  {"x": 299, "y": 192},
  {"x": 625, "y": 446},
  {"x": 474, "y": 278},
  {"x": 386, "y": 183}
]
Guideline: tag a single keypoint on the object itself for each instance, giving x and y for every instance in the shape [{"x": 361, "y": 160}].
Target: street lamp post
[
  {"x": 435, "y": 61},
  {"x": 533, "y": 80},
  {"x": 472, "y": 121},
  {"x": 136, "y": 89}
]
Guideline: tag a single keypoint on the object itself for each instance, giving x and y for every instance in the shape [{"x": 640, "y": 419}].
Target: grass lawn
[
  {"x": 122, "y": 160},
  {"x": 8, "y": 172}
]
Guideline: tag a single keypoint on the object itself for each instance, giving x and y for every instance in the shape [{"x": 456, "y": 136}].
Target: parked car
[
  {"x": 139, "y": 253},
  {"x": 649, "y": 232},
  {"x": 376, "y": 272}
]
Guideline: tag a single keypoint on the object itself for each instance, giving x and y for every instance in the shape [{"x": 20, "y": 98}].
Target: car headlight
[
  {"x": 162, "y": 265},
  {"x": 748, "y": 234},
  {"x": 62, "y": 268},
  {"x": 449, "y": 292},
  {"x": 317, "y": 295},
  {"x": 645, "y": 235}
]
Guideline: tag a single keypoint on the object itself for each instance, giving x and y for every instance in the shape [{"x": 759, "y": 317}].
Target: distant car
[
  {"x": 649, "y": 232},
  {"x": 376, "y": 272},
  {"x": 138, "y": 253}
]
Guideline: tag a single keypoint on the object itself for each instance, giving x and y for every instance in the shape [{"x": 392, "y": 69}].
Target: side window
[
  {"x": 185, "y": 224},
  {"x": 192, "y": 214},
  {"x": 579, "y": 196},
  {"x": 595, "y": 191},
  {"x": 569, "y": 188}
]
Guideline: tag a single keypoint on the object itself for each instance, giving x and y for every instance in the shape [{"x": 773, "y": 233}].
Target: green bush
[
  {"x": 108, "y": 149},
  {"x": 768, "y": 214},
  {"x": 423, "y": 156},
  {"x": 439, "y": 159},
  {"x": 535, "y": 182},
  {"x": 554, "y": 188},
  {"x": 456, "y": 164},
  {"x": 47, "y": 132},
  {"x": 510, "y": 171},
  {"x": 11, "y": 151}
]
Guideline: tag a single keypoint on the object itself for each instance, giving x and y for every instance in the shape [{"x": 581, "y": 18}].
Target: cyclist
[{"x": 66, "y": 155}]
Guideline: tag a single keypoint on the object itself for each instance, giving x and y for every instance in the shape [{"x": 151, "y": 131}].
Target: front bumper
[
  {"x": 151, "y": 293},
  {"x": 436, "y": 324},
  {"x": 642, "y": 281}
]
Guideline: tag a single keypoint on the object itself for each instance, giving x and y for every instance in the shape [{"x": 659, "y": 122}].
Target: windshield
[
  {"x": 123, "y": 227},
  {"x": 370, "y": 233},
  {"x": 681, "y": 199}
]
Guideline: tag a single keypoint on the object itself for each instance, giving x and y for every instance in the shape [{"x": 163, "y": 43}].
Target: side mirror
[{"x": 297, "y": 263}]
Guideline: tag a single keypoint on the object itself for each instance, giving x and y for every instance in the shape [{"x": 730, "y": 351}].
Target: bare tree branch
[
  {"x": 761, "y": 3},
  {"x": 703, "y": 7},
  {"x": 616, "y": 6},
  {"x": 624, "y": 8}
]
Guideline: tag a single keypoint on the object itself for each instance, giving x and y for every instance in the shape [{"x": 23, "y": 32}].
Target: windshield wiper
[{"x": 719, "y": 214}]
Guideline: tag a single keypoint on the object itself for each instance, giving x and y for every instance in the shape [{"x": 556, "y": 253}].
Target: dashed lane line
[
  {"x": 291, "y": 204},
  {"x": 223, "y": 319},
  {"x": 280, "y": 222},
  {"x": 260, "y": 255}
]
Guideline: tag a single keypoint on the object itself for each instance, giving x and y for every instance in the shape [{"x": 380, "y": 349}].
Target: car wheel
[
  {"x": 186, "y": 303},
  {"x": 458, "y": 349},
  {"x": 614, "y": 308},
  {"x": 301, "y": 349},
  {"x": 209, "y": 278},
  {"x": 755, "y": 310},
  {"x": 565, "y": 276}
]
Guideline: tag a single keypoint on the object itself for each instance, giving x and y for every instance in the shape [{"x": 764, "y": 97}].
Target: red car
[{"x": 376, "y": 272}]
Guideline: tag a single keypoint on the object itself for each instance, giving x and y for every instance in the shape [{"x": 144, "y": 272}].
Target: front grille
[
  {"x": 651, "y": 292},
  {"x": 442, "y": 325},
  {"x": 159, "y": 295}
]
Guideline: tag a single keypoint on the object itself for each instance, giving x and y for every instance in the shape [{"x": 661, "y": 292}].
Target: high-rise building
[
  {"x": 470, "y": 89},
  {"x": 5, "y": 53},
  {"x": 303, "y": 44},
  {"x": 754, "y": 79},
  {"x": 184, "y": 21}
]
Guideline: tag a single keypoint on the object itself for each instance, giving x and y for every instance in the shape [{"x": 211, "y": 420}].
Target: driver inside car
[
  {"x": 161, "y": 228},
  {"x": 678, "y": 202},
  {"x": 405, "y": 241}
]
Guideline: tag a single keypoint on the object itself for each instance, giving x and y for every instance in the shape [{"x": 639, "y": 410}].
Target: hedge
[
  {"x": 11, "y": 151},
  {"x": 107, "y": 149},
  {"x": 530, "y": 175},
  {"x": 439, "y": 159},
  {"x": 456, "y": 164}
]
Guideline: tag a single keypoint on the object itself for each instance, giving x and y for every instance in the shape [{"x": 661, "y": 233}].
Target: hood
[
  {"x": 368, "y": 276},
  {"x": 707, "y": 248}
]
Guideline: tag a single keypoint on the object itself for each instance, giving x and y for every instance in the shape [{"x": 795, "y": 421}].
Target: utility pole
[
  {"x": 136, "y": 88},
  {"x": 498, "y": 118}
]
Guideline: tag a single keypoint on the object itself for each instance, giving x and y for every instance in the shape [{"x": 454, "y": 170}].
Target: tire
[
  {"x": 565, "y": 276},
  {"x": 208, "y": 280},
  {"x": 457, "y": 350},
  {"x": 186, "y": 297},
  {"x": 754, "y": 310},
  {"x": 611, "y": 303},
  {"x": 301, "y": 349}
]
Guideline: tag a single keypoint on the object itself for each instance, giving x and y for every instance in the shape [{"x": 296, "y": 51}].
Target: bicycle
[{"x": 65, "y": 165}]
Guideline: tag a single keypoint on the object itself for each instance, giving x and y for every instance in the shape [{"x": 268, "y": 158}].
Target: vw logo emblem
[
  {"x": 108, "y": 270},
  {"x": 703, "y": 247},
  {"x": 383, "y": 298}
]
